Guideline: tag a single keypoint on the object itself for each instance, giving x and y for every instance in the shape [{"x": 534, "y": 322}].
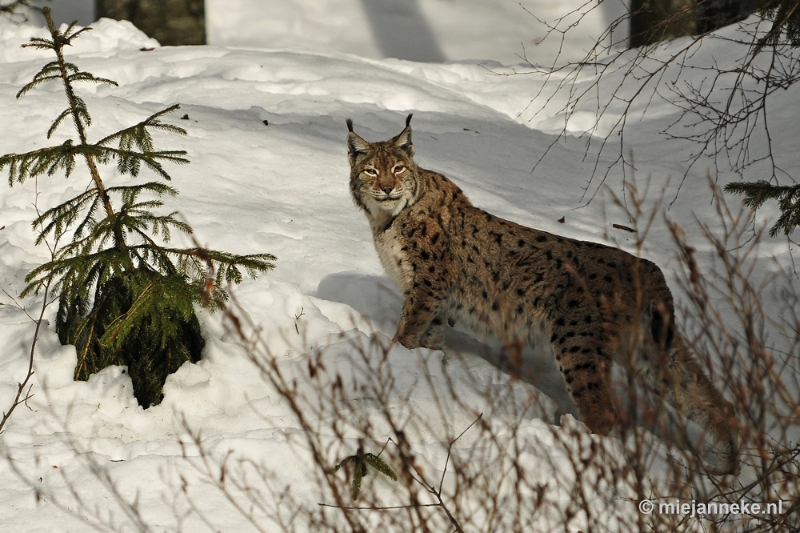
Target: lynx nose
[{"x": 388, "y": 190}]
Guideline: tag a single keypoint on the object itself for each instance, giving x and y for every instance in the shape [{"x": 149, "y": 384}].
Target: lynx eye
[
  {"x": 399, "y": 169},
  {"x": 370, "y": 172}
]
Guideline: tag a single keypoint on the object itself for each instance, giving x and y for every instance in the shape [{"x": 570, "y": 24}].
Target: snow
[
  {"x": 282, "y": 188},
  {"x": 417, "y": 30}
]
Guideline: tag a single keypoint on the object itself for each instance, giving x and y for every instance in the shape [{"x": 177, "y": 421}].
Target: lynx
[{"x": 590, "y": 303}]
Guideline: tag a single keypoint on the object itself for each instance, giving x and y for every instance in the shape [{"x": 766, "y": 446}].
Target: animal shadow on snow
[{"x": 374, "y": 297}]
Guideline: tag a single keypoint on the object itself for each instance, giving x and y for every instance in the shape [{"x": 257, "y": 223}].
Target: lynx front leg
[{"x": 420, "y": 322}]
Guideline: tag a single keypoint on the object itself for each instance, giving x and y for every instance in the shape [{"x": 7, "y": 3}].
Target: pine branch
[
  {"x": 138, "y": 136},
  {"x": 64, "y": 114},
  {"x": 130, "y": 193},
  {"x": 39, "y": 43},
  {"x": 139, "y": 129},
  {"x": 70, "y": 73},
  {"x": 42, "y": 76},
  {"x": 157, "y": 293},
  {"x": 226, "y": 265},
  {"x": 62, "y": 157},
  {"x": 130, "y": 162},
  {"x": 80, "y": 110},
  {"x": 67, "y": 274},
  {"x": 43, "y": 161},
  {"x": 80, "y": 257},
  {"x": 68, "y": 36},
  {"x": 785, "y": 18},
  {"x": 64, "y": 215},
  {"x": 756, "y": 193},
  {"x": 85, "y": 76},
  {"x": 158, "y": 224}
]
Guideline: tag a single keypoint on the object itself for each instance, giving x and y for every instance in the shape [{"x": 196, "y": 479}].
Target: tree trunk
[
  {"x": 657, "y": 20},
  {"x": 170, "y": 22},
  {"x": 714, "y": 14}
]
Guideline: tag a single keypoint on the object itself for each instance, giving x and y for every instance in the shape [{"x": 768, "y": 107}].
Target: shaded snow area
[
  {"x": 416, "y": 30},
  {"x": 269, "y": 173}
]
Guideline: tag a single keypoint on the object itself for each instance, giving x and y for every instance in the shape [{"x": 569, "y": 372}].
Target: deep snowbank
[{"x": 282, "y": 188}]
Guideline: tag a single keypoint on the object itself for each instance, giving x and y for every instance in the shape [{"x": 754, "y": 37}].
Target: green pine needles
[
  {"x": 785, "y": 18},
  {"x": 124, "y": 297},
  {"x": 756, "y": 193}
]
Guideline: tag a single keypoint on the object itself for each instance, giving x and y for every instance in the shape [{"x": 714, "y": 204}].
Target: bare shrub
[
  {"x": 473, "y": 451},
  {"x": 723, "y": 115},
  {"x": 472, "y": 446}
]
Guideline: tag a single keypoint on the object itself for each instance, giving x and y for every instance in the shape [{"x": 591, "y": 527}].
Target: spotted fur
[{"x": 593, "y": 304}]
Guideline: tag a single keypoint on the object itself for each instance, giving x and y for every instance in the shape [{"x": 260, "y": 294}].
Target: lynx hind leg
[
  {"x": 583, "y": 360},
  {"x": 691, "y": 392}
]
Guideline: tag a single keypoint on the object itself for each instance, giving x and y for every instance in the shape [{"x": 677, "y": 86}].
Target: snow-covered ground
[
  {"x": 420, "y": 30},
  {"x": 416, "y": 30},
  {"x": 266, "y": 131}
]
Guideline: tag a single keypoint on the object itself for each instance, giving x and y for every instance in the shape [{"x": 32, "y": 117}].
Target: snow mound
[{"x": 106, "y": 38}]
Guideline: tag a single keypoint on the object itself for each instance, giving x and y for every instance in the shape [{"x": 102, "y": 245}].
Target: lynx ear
[
  {"x": 355, "y": 144},
  {"x": 403, "y": 141}
]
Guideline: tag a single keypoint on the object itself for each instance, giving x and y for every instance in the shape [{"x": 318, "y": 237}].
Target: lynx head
[{"x": 383, "y": 175}]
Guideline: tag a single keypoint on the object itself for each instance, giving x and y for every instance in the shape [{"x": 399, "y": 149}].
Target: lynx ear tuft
[
  {"x": 350, "y": 124},
  {"x": 356, "y": 146},
  {"x": 403, "y": 141}
]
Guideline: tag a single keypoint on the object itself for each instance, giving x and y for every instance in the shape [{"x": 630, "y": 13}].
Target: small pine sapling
[{"x": 124, "y": 297}]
